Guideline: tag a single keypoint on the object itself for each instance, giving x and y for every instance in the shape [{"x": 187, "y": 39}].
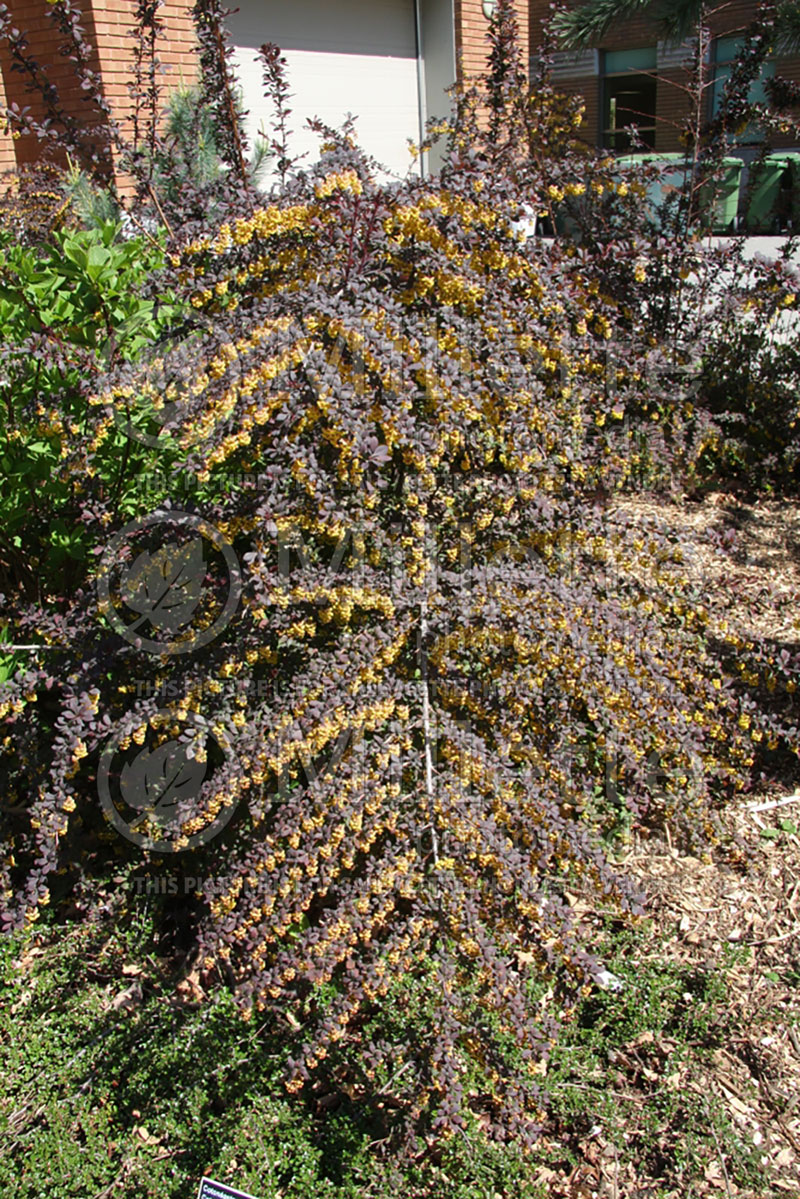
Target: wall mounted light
[{"x": 488, "y": 8}]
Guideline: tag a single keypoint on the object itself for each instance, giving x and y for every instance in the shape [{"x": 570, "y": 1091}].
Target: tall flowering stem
[{"x": 218, "y": 81}]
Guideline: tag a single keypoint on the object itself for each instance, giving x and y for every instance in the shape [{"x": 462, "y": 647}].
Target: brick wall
[
  {"x": 640, "y": 31},
  {"x": 176, "y": 50},
  {"x": 108, "y": 25},
  {"x": 472, "y": 45},
  {"x": 586, "y": 87},
  {"x": 114, "y": 23},
  {"x": 8, "y": 158},
  {"x": 790, "y": 69},
  {"x": 32, "y": 17}
]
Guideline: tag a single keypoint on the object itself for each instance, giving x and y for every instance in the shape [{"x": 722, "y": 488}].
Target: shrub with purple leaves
[
  {"x": 387, "y": 755},
  {"x": 375, "y": 662}
]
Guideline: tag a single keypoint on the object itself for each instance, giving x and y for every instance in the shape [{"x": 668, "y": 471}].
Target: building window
[
  {"x": 725, "y": 51},
  {"x": 629, "y": 97}
]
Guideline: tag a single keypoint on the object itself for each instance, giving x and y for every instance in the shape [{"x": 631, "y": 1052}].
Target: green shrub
[{"x": 69, "y": 311}]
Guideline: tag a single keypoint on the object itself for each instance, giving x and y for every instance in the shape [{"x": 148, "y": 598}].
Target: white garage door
[{"x": 356, "y": 56}]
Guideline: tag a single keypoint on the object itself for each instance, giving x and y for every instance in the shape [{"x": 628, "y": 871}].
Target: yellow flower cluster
[
  {"x": 340, "y": 181},
  {"x": 338, "y": 603},
  {"x": 264, "y": 223},
  {"x": 409, "y": 222}
]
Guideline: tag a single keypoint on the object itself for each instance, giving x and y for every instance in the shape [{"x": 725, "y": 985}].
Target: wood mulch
[
  {"x": 697, "y": 907},
  {"x": 742, "y": 556}
]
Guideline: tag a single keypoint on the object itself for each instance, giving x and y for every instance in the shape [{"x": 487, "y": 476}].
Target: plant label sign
[{"x": 220, "y": 1190}]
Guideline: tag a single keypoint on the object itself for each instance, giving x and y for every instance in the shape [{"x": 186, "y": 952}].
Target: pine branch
[{"x": 588, "y": 24}]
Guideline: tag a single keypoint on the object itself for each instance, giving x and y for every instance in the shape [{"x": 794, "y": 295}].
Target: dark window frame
[
  {"x": 720, "y": 71},
  {"x": 647, "y": 130}
]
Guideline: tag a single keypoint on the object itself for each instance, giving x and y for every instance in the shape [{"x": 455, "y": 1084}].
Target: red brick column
[
  {"x": 108, "y": 25},
  {"x": 32, "y": 17},
  {"x": 472, "y": 45},
  {"x": 175, "y": 49},
  {"x": 114, "y": 23},
  {"x": 8, "y": 158}
]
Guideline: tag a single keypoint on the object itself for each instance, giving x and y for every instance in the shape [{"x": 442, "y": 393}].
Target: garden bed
[
  {"x": 735, "y": 916},
  {"x": 700, "y": 1098}
]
